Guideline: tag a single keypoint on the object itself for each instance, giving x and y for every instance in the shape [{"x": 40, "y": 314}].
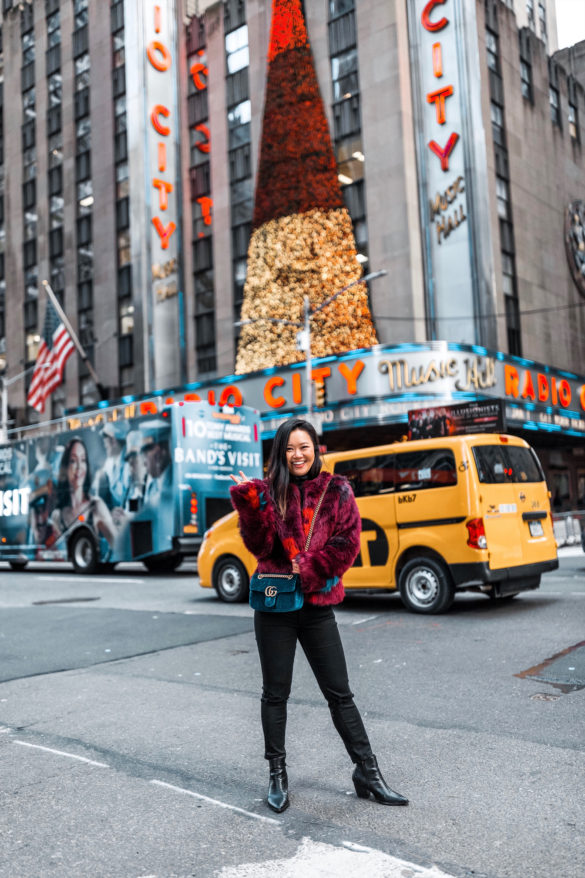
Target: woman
[
  {"x": 275, "y": 517},
  {"x": 73, "y": 498}
]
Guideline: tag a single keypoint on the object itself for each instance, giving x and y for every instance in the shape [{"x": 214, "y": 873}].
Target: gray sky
[{"x": 570, "y": 22}]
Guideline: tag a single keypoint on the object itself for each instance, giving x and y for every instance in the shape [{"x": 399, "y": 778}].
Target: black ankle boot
[
  {"x": 367, "y": 778},
  {"x": 278, "y": 785}
]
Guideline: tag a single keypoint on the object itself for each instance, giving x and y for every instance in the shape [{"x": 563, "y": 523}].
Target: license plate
[{"x": 536, "y": 528}]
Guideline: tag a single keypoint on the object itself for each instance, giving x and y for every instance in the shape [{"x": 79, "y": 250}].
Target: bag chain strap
[{"x": 317, "y": 508}]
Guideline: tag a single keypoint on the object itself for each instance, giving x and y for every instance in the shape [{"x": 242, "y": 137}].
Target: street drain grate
[
  {"x": 565, "y": 671},
  {"x": 63, "y": 601},
  {"x": 544, "y": 696}
]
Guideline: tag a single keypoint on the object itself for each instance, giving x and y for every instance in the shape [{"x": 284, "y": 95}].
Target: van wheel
[
  {"x": 230, "y": 580},
  {"x": 18, "y": 565},
  {"x": 426, "y": 586},
  {"x": 162, "y": 563},
  {"x": 83, "y": 552}
]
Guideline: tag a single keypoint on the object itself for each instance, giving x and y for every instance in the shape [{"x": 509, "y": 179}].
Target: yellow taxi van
[{"x": 438, "y": 516}]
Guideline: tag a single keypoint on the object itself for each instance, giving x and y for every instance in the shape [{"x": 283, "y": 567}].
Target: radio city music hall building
[{"x": 457, "y": 132}]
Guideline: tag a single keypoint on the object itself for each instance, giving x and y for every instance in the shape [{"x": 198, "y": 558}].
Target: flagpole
[{"x": 102, "y": 390}]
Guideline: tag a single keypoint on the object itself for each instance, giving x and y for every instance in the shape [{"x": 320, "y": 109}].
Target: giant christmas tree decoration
[{"x": 302, "y": 239}]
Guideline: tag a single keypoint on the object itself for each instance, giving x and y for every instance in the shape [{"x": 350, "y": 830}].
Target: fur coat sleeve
[
  {"x": 257, "y": 517},
  {"x": 335, "y": 544}
]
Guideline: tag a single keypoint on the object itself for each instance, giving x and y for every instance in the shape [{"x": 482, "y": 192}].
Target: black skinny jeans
[{"x": 316, "y": 630}]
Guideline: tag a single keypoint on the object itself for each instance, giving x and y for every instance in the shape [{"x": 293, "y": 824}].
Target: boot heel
[{"x": 362, "y": 790}]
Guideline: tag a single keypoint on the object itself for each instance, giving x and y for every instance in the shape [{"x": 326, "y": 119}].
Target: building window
[
  {"x": 491, "y": 45},
  {"x": 81, "y": 13},
  {"x": 513, "y": 326},
  {"x": 573, "y": 122},
  {"x": 497, "y": 114},
  {"x": 508, "y": 275},
  {"x": 236, "y": 48},
  {"x": 530, "y": 15},
  {"x": 54, "y": 30},
  {"x": 526, "y": 78},
  {"x": 28, "y": 48},
  {"x": 55, "y": 89},
  {"x": 555, "y": 110},
  {"x": 542, "y": 22},
  {"x": 503, "y": 197}
]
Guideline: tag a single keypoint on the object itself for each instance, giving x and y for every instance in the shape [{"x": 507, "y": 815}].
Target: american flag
[{"x": 55, "y": 349}]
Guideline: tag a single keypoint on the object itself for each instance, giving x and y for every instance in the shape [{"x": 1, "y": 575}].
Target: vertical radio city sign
[
  {"x": 152, "y": 65},
  {"x": 452, "y": 172}
]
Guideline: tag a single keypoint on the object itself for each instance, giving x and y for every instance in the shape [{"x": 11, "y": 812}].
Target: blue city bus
[{"x": 142, "y": 488}]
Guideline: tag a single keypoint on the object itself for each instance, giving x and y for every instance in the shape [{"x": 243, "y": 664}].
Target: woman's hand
[
  {"x": 295, "y": 567},
  {"x": 241, "y": 479}
]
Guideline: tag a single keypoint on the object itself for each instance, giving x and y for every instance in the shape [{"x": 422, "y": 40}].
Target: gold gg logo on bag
[{"x": 270, "y": 591}]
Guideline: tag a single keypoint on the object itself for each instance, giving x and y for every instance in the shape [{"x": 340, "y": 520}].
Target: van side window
[
  {"x": 419, "y": 470},
  {"x": 498, "y": 464},
  {"x": 368, "y": 476}
]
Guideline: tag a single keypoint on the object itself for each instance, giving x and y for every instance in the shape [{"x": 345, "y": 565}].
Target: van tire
[
  {"x": 426, "y": 586},
  {"x": 83, "y": 552},
  {"x": 230, "y": 580},
  {"x": 162, "y": 563},
  {"x": 18, "y": 565}
]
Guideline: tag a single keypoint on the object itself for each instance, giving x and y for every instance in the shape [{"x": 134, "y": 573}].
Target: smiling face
[
  {"x": 77, "y": 466},
  {"x": 300, "y": 453}
]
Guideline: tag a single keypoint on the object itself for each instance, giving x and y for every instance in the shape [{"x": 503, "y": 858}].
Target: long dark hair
[
  {"x": 63, "y": 489},
  {"x": 278, "y": 474}
]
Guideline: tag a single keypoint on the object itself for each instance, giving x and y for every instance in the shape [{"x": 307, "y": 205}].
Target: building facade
[{"x": 128, "y": 178}]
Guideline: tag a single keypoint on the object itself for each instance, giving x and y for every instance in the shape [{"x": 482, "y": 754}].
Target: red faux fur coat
[{"x": 275, "y": 541}]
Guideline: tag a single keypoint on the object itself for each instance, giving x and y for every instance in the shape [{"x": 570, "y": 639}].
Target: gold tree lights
[{"x": 302, "y": 242}]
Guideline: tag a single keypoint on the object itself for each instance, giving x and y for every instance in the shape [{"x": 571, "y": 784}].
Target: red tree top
[{"x": 297, "y": 171}]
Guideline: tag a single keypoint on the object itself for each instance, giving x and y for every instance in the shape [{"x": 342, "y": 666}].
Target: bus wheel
[
  {"x": 162, "y": 564},
  {"x": 83, "y": 552},
  {"x": 18, "y": 565},
  {"x": 426, "y": 586},
  {"x": 230, "y": 580}
]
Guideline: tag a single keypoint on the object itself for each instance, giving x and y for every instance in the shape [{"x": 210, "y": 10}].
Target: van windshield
[{"x": 498, "y": 464}]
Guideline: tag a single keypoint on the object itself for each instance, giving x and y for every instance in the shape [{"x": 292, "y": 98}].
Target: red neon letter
[
  {"x": 160, "y": 64},
  {"x": 198, "y": 68},
  {"x": 157, "y": 111},
  {"x": 511, "y": 380},
  {"x": 206, "y": 205},
  {"x": 437, "y": 60},
  {"x": 565, "y": 393},
  {"x": 528, "y": 389},
  {"x": 164, "y": 188},
  {"x": 444, "y": 154},
  {"x": 165, "y": 233},
  {"x": 438, "y": 98},
  {"x": 162, "y": 156},
  {"x": 582, "y": 397},
  {"x": 542, "y": 384},
  {"x": 205, "y": 145},
  {"x": 274, "y": 402},
  {"x": 426, "y": 17},
  {"x": 296, "y": 384},
  {"x": 351, "y": 375},
  {"x": 231, "y": 392}
]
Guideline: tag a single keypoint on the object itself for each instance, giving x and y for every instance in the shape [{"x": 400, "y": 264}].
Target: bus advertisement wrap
[{"x": 133, "y": 489}]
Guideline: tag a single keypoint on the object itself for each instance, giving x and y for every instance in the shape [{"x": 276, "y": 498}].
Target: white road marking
[
  {"x": 169, "y": 786},
  {"x": 62, "y": 753},
  {"x": 319, "y": 860},
  {"x": 87, "y": 579},
  {"x": 367, "y": 619},
  {"x": 4, "y": 730}
]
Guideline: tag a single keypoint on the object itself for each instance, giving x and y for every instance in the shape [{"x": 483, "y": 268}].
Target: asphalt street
[{"x": 130, "y": 741}]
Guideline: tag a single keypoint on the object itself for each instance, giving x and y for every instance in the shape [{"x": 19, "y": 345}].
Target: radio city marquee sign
[
  {"x": 450, "y": 146},
  {"x": 380, "y": 384}
]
